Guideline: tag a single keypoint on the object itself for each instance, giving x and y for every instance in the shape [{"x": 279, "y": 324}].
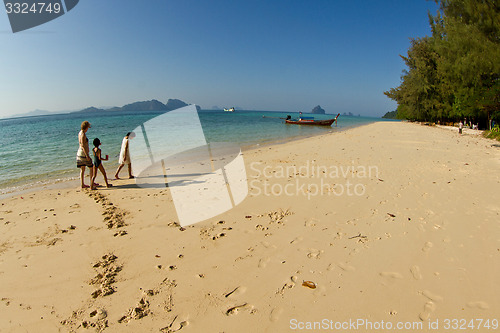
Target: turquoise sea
[{"x": 41, "y": 150}]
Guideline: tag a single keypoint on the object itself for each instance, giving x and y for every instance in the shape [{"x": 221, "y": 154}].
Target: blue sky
[{"x": 283, "y": 55}]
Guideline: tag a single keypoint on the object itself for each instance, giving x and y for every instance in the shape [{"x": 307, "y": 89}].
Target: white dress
[{"x": 124, "y": 158}]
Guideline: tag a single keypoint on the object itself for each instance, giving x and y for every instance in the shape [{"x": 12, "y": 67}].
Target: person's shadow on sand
[{"x": 171, "y": 183}]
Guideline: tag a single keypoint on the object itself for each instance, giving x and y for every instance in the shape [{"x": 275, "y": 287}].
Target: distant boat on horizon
[{"x": 229, "y": 110}]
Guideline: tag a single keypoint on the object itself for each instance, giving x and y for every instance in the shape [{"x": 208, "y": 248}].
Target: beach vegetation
[
  {"x": 454, "y": 74},
  {"x": 391, "y": 115},
  {"x": 493, "y": 134}
]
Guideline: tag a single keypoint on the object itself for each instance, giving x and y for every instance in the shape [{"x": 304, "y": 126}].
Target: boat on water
[
  {"x": 310, "y": 121},
  {"x": 302, "y": 121},
  {"x": 229, "y": 110}
]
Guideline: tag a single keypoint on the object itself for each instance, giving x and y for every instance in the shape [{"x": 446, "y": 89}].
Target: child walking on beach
[{"x": 98, "y": 163}]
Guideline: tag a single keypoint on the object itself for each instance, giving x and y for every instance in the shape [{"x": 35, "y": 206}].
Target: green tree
[
  {"x": 418, "y": 92},
  {"x": 455, "y": 73},
  {"x": 467, "y": 38}
]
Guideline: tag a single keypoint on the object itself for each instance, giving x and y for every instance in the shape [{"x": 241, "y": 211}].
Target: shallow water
[{"x": 42, "y": 149}]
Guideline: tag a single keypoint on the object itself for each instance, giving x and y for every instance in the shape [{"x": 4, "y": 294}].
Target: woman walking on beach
[
  {"x": 125, "y": 155},
  {"x": 82, "y": 156}
]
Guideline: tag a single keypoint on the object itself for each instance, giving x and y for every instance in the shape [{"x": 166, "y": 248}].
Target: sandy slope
[{"x": 402, "y": 226}]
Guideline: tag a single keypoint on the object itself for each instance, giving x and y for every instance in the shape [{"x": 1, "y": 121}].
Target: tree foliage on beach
[
  {"x": 390, "y": 115},
  {"x": 455, "y": 73}
]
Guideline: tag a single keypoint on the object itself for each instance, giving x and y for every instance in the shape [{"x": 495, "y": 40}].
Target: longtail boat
[
  {"x": 311, "y": 121},
  {"x": 327, "y": 122}
]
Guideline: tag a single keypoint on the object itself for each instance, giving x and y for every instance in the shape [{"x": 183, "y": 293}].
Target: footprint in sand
[
  {"x": 346, "y": 267},
  {"x": 139, "y": 311},
  {"x": 98, "y": 316},
  {"x": 415, "y": 271},
  {"x": 236, "y": 292},
  {"x": 175, "y": 326},
  {"x": 427, "y": 246},
  {"x": 263, "y": 262},
  {"x": 275, "y": 314},
  {"x": 261, "y": 227},
  {"x": 296, "y": 240},
  {"x": 4, "y": 247},
  {"x": 268, "y": 245},
  {"x": 320, "y": 291},
  {"x": 392, "y": 275},
  {"x": 479, "y": 305},
  {"x": 53, "y": 241},
  {"x": 429, "y": 307},
  {"x": 107, "y": 270},
  {"x": 286, "y": 286},
  {"x": 314, "y": 253},
  {"x": 311, "y": 222},
  {"x": 431, "y": 296},
  {"x": 234, "y": 309}
]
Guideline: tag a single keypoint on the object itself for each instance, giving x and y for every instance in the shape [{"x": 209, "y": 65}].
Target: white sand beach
[{"x": 390, "y": 222}]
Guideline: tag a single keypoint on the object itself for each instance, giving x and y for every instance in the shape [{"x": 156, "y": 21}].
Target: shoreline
[
  {"x": 58, "y": 183},
  {"x": 70, "y": 182},
  {"x": 31, "y": 169},
  {"x": 418, "y": 244}
]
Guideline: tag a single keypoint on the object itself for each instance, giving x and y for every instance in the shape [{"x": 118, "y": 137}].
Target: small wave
[{"x": 34, "y": 185}]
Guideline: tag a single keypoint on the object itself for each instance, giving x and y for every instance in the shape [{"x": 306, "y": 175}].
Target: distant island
[
  {"x": 318, "y": 110},
  {"x": 33, "y": 113},
  {"x": 152, "y": 105}
]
